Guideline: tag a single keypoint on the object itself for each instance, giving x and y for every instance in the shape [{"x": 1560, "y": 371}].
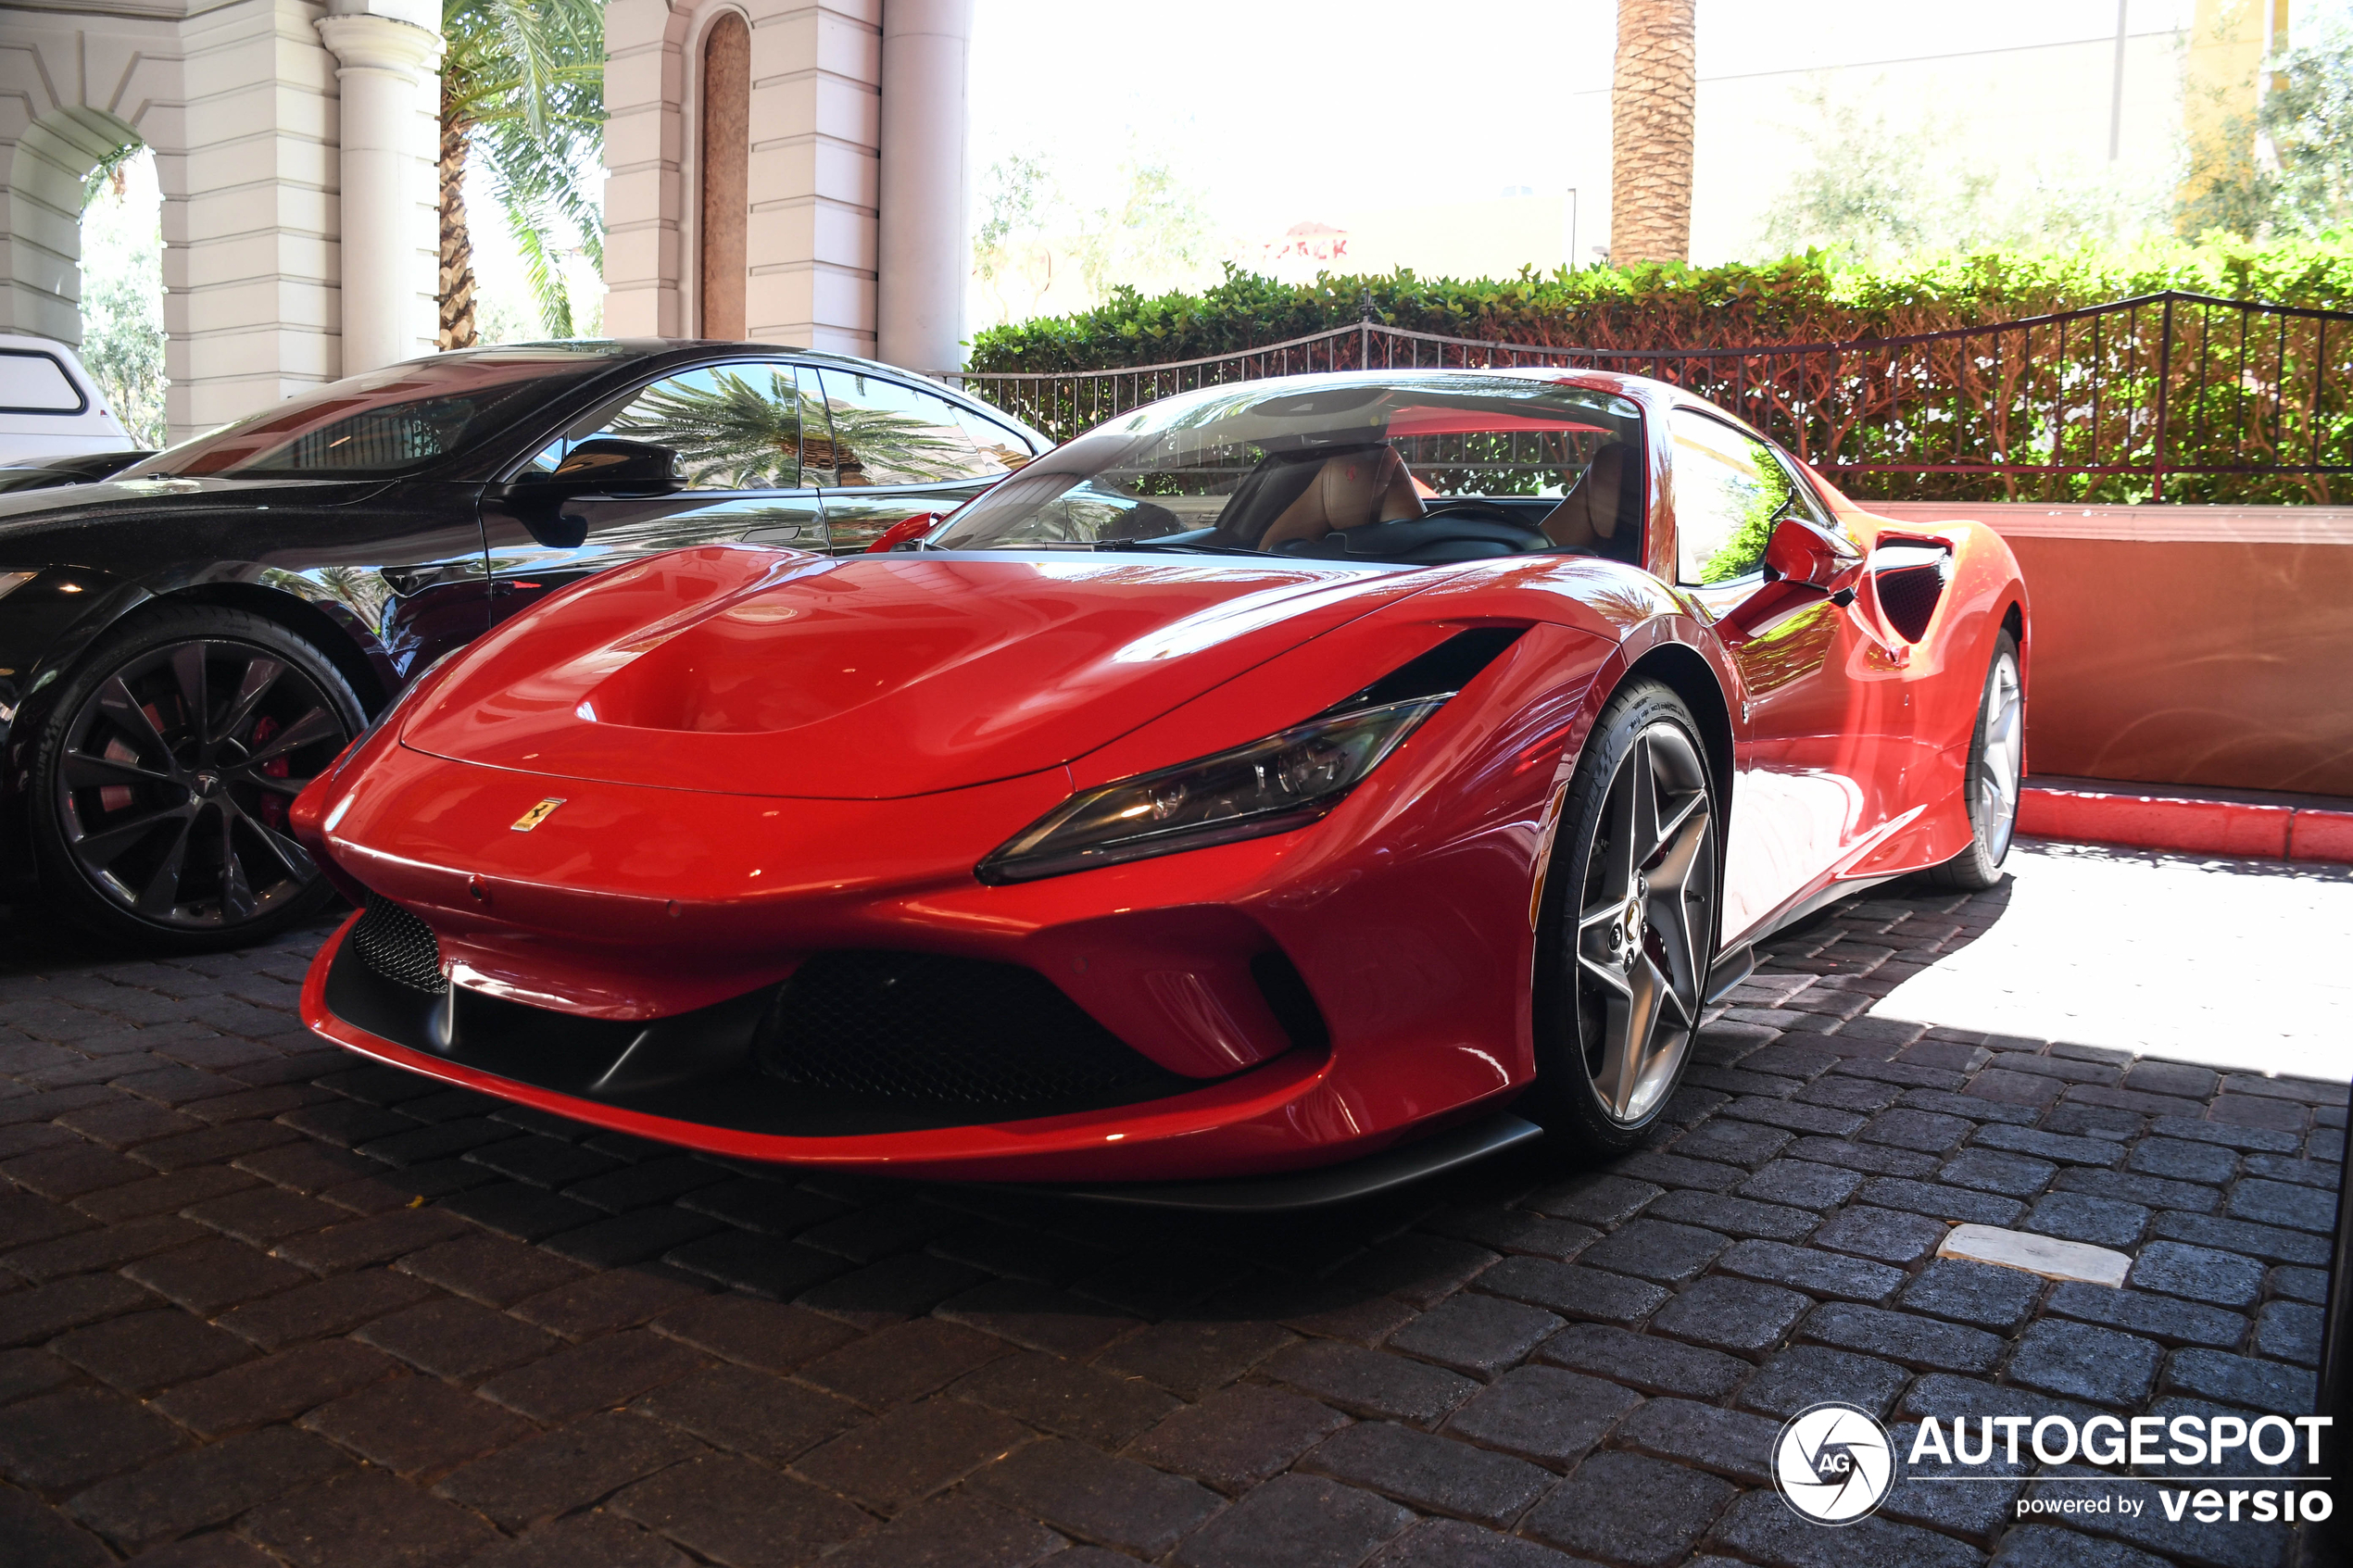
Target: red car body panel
[{"x": 762, "y": 755}]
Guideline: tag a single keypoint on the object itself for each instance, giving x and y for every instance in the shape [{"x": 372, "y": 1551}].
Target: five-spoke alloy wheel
[
  {"x": 1996, "y": 758},
  {"x": 166, "y": 773},
  {"x": 1627, "y": 929}
]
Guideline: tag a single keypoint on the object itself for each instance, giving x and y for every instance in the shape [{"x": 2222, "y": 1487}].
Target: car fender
[{"x": 28, "y": 699}]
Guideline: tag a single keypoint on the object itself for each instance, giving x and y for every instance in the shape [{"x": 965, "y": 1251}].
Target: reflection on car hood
[
  {"x": 29, "y": 512},
  {"x": 746, "y": 670}
]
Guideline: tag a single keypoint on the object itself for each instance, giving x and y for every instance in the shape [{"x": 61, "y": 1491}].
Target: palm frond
[{"x": 523, "y": 85}]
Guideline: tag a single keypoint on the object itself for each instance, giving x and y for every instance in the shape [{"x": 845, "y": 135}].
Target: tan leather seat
[
  {"x": 1351, "y": 490},
  {"x": 1592, "y": 513}
]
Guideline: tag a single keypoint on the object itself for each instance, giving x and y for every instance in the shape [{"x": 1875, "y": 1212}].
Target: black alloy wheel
[
  {"x": 1627, "y": 929},
  {"x": 165, "y": 777},
  {"x": 1996, "y": 752}
]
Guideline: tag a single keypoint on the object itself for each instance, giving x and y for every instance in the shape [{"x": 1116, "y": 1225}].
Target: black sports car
[
  {"x": 78, "y": 468},
  {"x": 184, "y": 646}
]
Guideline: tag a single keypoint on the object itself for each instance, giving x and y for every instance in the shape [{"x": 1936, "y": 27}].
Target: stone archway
[
  {"x": 45, "y": 169},
  {"x": 248, "y": 113}
]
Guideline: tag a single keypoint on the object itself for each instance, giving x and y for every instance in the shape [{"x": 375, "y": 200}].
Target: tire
[
  {"x": 156, "y": 830},
  {"x": 1992, "y": 783},
  {"x": 1627, "y": 925}
]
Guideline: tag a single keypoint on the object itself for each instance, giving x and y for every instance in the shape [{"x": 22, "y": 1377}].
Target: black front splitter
[{"x": 1319, "y": 1189}]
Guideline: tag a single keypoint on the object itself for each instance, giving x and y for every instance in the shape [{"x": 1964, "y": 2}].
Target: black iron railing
[{"x": 2167, "y": 397}]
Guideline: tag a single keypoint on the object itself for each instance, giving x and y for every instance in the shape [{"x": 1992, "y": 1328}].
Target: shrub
[{"x": 1805, "y": 299}]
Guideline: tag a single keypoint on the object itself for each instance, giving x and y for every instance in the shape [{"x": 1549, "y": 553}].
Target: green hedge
[{"x": 1807, "y": 298}]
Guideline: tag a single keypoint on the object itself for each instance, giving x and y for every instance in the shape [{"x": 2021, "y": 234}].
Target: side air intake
[{"x": 1909, "y": 579}]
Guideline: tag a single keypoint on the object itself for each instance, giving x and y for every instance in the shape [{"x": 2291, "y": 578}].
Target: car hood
[
  {"x": 28, "y": 513},
  {"x": 761, "y": 672}
]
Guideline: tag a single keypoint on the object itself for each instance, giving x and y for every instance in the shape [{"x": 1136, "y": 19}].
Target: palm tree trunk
[
  {"x": 456, "y": 247},
  {"x": 1651, "y": 110}
]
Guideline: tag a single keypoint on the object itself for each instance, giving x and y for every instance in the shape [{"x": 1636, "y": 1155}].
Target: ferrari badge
[{"x": 538, "y": 813}]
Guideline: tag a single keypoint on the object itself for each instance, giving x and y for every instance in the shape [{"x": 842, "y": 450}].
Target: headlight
[
  {"x": 12, "y": 581},
  {"x": 1272, "y": 786}
]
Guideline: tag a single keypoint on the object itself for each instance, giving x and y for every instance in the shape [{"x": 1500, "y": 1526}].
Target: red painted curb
[{"x": 2212, "y": 827}]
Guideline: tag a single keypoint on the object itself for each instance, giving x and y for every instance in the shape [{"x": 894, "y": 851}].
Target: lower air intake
[
  {"x": 919, "y": 1029},
  {"x": 399, "y": 947}
]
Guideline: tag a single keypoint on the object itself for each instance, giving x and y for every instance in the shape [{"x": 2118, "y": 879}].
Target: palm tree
[
  {"x": 522, "y": 82},
  {"x": 1651, "y": 101}
]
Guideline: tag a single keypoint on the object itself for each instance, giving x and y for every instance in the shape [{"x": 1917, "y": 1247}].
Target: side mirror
[
  {"x": 612, "y": 466},
  {"x": 606, "y": 466},
  {"x": 1801, "y": 550}
]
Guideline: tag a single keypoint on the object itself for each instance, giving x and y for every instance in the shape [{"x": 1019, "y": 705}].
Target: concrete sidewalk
[{"x": 260, "y": 1303}]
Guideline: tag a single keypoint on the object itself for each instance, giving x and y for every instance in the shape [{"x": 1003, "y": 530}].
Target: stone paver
[{"x": 263, "y": 1303}]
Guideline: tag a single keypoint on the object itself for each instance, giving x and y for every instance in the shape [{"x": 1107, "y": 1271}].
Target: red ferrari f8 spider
[{"x": 1359, "y": 771}]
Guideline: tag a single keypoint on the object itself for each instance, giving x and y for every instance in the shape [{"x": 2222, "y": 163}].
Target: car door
[
  {"x": 739, "y": 429},
  {"x": 1806, "y": 795},
  {"x": 899, "y": 451}
]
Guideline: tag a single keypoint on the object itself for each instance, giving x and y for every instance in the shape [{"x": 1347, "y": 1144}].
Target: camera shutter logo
[{"x": 1834, "y": 1463}]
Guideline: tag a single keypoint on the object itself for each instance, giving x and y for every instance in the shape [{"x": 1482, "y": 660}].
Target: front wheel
[
  {"x": 161, "y": 785},
  {"x": 1996, "y": 751},
  {"x": 1627, "y": 926}
]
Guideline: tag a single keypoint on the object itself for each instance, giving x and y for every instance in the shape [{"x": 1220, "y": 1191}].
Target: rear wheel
[
  {"x": 1627, "y": 929},
  {"x": 162, "y": 783},
  {"x": 1995, "y": 754}
]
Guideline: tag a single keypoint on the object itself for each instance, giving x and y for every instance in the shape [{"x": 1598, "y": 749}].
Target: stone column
[
  {"x": 923, "y": 257},
  {"x": 390, "y": 54}
]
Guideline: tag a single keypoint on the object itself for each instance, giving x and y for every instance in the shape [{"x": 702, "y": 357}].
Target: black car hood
[{"x": 28, "y": 513}]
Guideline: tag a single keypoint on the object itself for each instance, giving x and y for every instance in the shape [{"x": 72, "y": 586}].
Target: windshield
[
  {"x": 384, "y": 423},
  {"x": 1407, "y": 467}
]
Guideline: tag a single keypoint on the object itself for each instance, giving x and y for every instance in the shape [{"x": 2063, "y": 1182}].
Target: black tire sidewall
[
  {"x": 1563, "y": 1098},
  {"x": 63, "y": 884}
]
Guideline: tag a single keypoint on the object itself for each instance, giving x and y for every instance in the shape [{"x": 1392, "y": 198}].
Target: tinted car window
[
  {"x": 735, "y": 427},
  {"x": 885, "y": 432},
  {"x": 388, "y": 422},
  {"x": 1729, "y": 490}
]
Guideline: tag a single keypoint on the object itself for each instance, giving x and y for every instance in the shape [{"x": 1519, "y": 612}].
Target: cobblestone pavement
[{"x": 260, "y": 1303}]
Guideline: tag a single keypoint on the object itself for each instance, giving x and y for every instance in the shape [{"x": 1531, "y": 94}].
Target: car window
[
  {"x": 1411, "y": 467},
  {"x": 735, "y": 427},
  {"x": 388, "y": 422},
  {"x": 886, "y": 433},
  {"x": 1730, "y": 489},
  {"x": 34, "y": 383}
]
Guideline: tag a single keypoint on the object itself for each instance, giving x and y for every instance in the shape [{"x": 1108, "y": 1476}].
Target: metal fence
[{"x": 2167, "y": 397}]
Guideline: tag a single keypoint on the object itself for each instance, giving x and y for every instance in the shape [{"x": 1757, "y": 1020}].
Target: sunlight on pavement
[{"x": 2243, "y": 965}]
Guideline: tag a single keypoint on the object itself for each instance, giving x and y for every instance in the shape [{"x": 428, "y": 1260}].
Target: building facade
[{"x": 789, "y": 170}]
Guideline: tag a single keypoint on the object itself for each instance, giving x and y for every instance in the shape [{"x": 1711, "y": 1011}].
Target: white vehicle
[{"x": 49, "y": 406}]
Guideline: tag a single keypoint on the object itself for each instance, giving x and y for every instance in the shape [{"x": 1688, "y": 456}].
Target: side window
[
  {"x": 733, "y": 427},
  {"x": 34, "y": 383},
  {"x": 1730, "y": 489},
  {"x": 885, "y": 432}
]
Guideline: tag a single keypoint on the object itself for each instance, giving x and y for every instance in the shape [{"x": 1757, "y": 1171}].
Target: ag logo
[{"x": 1834, "y": 1463}]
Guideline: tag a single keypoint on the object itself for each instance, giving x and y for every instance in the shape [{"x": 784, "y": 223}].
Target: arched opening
[
  {"x": 725, "y": 163},
  {"x": 85, "y": 254},
  {"x": 122, "y": 331}
]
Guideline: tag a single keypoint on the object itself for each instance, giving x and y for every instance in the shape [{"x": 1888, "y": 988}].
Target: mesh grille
[
  {"x": 1908, "y": 595},
  {"x": 920, "y": 1029},
  {"x": 399, "y": 947}
]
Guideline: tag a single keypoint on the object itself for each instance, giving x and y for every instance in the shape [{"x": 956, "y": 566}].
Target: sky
[{"x": 1276, "y": 108}]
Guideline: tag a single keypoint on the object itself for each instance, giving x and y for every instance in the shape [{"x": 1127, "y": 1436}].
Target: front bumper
[{"x": 1283, "y": 1114}]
